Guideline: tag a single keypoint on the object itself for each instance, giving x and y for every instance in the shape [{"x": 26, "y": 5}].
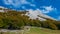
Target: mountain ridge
[{"x": 33, "y": 14}]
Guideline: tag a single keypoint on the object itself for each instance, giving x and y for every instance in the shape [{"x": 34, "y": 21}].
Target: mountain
[
  {"x": 2, "y": 9},
  {"x": 16, "y": 19},
  {"x": 34, "y": 14}
]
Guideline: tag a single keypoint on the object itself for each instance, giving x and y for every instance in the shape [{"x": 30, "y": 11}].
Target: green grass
[{"x": 35, "y": 30}]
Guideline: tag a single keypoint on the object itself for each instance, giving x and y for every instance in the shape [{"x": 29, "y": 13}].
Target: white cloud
[
  {"x": 47, "y": 9},
  {"x": 17, "y": 3}
]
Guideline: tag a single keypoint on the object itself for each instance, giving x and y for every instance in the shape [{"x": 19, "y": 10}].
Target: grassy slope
[{"x": 36, "y": 30}]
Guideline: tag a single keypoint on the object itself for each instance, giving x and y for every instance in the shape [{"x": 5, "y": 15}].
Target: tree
[{"x": 51, "y": 24}]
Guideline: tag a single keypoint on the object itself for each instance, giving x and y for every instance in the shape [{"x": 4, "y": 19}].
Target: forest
[{"x": 15, "y": 20}]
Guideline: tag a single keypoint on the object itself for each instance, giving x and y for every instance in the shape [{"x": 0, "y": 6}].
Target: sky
[{"x": 48, "y": 7}]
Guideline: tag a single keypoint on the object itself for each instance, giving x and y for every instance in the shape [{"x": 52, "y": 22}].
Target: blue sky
[{"x": 49, "y": 7}]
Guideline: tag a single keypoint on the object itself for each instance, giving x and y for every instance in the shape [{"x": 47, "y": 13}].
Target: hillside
[{"x": 16, "y": 19}]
